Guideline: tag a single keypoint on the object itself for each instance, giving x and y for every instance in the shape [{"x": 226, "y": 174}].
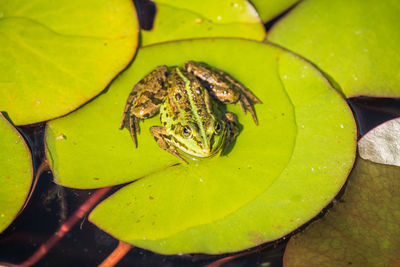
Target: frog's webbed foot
[
  {"x": 130, "y": 121},
  {"x": 160, "y": 135},
  {"x": 224, "y": 87},
  {"x": 246, "y": 100},
  {"x": 144, "y": 100},
  {"x": 230, "y": 120}
]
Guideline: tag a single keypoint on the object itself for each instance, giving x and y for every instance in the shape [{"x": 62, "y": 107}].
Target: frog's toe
[{"x": 247, "y": 106}]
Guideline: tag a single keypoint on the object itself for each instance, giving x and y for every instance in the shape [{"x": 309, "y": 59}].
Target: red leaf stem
[{"x": 65, "y": 227}]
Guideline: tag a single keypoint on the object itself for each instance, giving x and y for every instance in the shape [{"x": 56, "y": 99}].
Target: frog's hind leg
[
  {"x": 224, "y": 87},
  {"x": 247, "y": 99},
  {"x": 160, "y": 135},
  {"x": 230, "y": 120},
  {"x": 144, "y": 100}
]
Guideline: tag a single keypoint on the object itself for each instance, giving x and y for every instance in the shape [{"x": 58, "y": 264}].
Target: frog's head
[{"x": 201, "y": 140}]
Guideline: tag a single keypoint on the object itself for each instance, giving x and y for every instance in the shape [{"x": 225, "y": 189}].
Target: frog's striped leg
[
  {"x": 247, "y": 99},
  {"x": 144, "y": 100},
  {"x": 224, "y": 87},
  {"x": 161, "y": 136},
  {"x": 232, "y": 132}
]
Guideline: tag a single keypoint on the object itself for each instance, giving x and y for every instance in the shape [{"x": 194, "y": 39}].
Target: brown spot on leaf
[{"x": 256, "y": 238}]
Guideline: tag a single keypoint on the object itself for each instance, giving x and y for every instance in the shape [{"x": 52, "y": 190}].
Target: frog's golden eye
[
  {"x": 186, "y": 132},
  {"x": 217, "y": 127}
]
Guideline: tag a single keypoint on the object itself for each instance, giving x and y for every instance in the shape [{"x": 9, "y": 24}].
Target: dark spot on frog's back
[
  {"x": 156, "y": 101},
  {"x": 178, "y": 96},
  {"x": 187, "y": 109},
  {"x": 148, "y": 94},
  {"x": 199, "y": 111}
]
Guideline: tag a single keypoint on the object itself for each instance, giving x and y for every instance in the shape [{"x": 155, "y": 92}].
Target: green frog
[{"x": 188, "y": 99}]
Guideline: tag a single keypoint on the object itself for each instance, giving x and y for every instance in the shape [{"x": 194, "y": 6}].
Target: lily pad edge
[{"x": 32, "y": 169}]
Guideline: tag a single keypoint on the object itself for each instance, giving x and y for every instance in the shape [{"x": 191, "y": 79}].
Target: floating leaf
[
  {"x": 354, "y": 42},
  {"x": 181, "y": 19},
  {"x": 15, "y": 172},
  {"x": 57, "y": 55},
  {"x": 381, "y": 144},
  {"x": 277, "y": 176},
  {"x": 361, "y": 230},
  {"x": 271, "y": 8}
]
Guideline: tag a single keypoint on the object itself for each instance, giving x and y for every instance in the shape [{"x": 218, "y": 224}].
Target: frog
[{"x": 190, "y": 100}]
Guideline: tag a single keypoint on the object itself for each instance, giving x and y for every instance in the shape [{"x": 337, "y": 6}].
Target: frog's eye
[
  {"x": 217, "y": 127},
  {"x": 186, "y": 131}
]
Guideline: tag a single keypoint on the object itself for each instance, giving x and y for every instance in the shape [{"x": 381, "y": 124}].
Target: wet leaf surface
[
  {"x": 180, "y": 19},
  {"x": 56, "y": 56},
  {"x": 271, "y": 8},
  {"x": 289, "y": 167},
  {"x": 362, "y": 229},
  {"x": 15, "y": 172},
  {"x": 381, "y": 144},
  {"x": 354, "y": 42}
]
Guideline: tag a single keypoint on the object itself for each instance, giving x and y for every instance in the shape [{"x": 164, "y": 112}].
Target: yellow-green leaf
[
  {"x": 15, "y": 172},
  {"x": 180, "y": 19},
  {"x": 355, "y": 42},
  {"x": 57, "y": 55},
  {"x": 277, "y": 176}
]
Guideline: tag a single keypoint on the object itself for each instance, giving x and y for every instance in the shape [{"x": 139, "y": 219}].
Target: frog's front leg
[
  {"x": 144, "y": 100},
  {"x": 232, "y": 132},
  {"x": 161, "y": 136},
  {"x": 224, "y": 87}
]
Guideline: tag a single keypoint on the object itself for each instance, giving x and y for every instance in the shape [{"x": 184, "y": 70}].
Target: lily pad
[
  {"x": 381, "y": 144},
  {"x": 56, "y": 56},
  {"x": 180, "y": 19},
  {"x": 271, "y": 8},
  {"x": 289, "y": 167},
  {"x": 362, "y": 229},
  {"x": 354, "y": 42},
  {"x": 16, "y": 172}
]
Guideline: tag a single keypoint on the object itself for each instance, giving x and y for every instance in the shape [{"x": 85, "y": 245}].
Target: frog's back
[{"x": 186, "y": 98}]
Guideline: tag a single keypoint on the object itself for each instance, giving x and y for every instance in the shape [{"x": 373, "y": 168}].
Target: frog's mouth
[
  {"x": 216, "y": 151},
  {"x": 201, "y": 156}
]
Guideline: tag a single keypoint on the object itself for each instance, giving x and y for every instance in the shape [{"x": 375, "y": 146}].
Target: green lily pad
[
  {"x": 56, "y": 56},
  {"x": 362, "y": 229},
  {"x": 180, "y": 19},
  {"x": 271, "y": 8},
  {"x": 16, "y": 172},
  {"x": 354, "y": 42},
  {"x": 277, "y": 176}
]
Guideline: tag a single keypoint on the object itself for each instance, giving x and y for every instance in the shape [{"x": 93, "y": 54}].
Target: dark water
[{"x": 86, "y": 245}]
